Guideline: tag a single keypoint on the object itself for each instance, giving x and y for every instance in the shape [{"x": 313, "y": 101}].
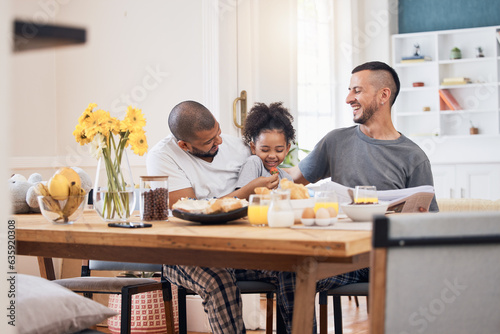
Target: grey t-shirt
[
  {"x": 253, "y": 168},
  {"x": 351, "y": 158}
]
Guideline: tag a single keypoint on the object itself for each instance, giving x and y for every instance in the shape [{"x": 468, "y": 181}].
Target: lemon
[{"x": 58, "y": 187}]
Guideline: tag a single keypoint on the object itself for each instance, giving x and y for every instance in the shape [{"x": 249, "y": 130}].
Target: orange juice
[
  {"x": 326, "y": 205},
  {"x": 257, "y": 214},
  {"x": 366, "y": 200}
]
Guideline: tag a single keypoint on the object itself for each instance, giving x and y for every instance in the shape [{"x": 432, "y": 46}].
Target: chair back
[{"x": 436, "y": 273}]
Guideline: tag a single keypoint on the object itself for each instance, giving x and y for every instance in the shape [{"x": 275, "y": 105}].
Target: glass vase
[{"x": 114, "y": 197}]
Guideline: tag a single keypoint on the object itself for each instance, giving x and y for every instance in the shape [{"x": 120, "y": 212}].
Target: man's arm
[
  {"x": 174, "y": 196},
  {"x": 296, "y": 174}
]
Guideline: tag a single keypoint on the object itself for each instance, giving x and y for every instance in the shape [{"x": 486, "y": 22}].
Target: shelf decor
[
  {"x": 455, "y": 53},
  {"x": 459, "y": 90}
]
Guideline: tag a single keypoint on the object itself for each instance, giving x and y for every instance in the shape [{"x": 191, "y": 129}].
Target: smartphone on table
[{"x": 130, "y": 225}]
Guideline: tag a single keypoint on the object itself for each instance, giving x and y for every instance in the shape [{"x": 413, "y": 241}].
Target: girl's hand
[{"x": 270, "y": 182}]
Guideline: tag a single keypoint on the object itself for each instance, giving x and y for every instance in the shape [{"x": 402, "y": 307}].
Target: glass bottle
[
  {"x": 154, "y": 198},
  {"x": 280, "y": 212}
]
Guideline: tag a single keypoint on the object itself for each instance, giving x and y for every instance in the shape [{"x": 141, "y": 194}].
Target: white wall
[{"x": 148, "y": 54}]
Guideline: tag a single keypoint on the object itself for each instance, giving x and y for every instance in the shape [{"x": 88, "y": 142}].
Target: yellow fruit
[
  {"x": 70, "y": 174},
  {"x": 59, "y": 187}
]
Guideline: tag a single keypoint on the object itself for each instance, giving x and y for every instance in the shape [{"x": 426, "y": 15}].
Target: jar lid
[{"x": 154, "y": 178}]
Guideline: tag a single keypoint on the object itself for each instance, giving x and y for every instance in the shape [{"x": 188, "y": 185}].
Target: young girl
[{"x": 269, "y": 132}]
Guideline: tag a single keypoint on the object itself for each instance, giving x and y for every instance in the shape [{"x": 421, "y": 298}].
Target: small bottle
[
  {"x": 154, "y": 198},
  {"x": 280, "y": 212}
]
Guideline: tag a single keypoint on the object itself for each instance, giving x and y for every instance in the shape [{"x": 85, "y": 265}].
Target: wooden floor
[{"x": 355, "y": 319}]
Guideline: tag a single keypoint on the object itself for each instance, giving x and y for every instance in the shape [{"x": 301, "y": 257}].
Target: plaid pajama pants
[{"x": 222, "y": 299}]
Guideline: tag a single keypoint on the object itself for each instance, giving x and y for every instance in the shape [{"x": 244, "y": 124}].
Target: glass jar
[
  {"x": 280, "y": 213},
  {"x": 154, "y": 198}
]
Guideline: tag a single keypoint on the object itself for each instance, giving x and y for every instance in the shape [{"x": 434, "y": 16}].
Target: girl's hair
[{"x": 275, "y": 117}]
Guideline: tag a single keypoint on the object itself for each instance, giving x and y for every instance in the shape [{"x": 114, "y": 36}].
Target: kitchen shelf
[{"x": 31, "y": 35}]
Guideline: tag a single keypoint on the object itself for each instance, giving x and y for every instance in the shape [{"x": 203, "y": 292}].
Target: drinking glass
[
  {"x": 365, "y": 195},
  {"x": 258, "y": 206},
  {"x": 326, "y": 199}
]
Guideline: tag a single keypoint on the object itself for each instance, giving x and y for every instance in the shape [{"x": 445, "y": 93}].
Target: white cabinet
[
  {"x": 418, "y": 110},
  {"x": 467, "y": 181}
]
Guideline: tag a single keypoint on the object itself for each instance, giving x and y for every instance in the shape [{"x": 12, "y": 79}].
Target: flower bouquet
[{"x": 108, "y": 138}]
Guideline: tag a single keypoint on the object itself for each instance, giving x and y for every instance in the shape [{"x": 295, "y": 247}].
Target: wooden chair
[
  {"x": 126, "y": 286},
  {"x": 436, "y": 272},
  {"x": 355, "y": 290},
  {"x": 246, "y": 287}
]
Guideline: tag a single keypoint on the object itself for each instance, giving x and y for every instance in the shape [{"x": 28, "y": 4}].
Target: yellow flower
[
  {"x": 86, "y": 113},
  {"x": 80, "y": 135},
  {"x": 138, "y": 142},
  {"x": 134, "y": 121}
]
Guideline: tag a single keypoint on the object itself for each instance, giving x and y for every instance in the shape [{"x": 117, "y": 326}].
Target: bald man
[{"x": 200, "y": 161}]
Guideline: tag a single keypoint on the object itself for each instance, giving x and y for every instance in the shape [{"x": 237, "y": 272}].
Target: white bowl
[
  {"x": 324, "y": 221},
  {"x": 298, "y": 206},
  {"x": 307, "y": 221},
  {"x": 363, "y": 212}
]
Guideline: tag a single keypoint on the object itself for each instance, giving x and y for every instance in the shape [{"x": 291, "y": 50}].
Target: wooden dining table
[{"x": 312, "y": 253}]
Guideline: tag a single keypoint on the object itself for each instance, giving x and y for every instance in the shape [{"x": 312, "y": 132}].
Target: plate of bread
[{"x": 213, "y": 211}]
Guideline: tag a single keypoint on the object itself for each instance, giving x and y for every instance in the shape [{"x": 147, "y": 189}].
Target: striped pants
[{"x": 222, "y": 299}]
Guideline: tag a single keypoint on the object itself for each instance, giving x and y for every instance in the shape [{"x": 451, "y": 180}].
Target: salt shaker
[{"x": 154, "y": 198}]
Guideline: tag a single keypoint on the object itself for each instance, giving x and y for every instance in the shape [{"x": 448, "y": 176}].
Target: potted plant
[{"x": 455, "y": 53}]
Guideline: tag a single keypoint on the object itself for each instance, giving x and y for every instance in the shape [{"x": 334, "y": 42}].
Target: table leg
[
  {"x": 46, "y": 268},
  {"x": 305, "y": 292}
]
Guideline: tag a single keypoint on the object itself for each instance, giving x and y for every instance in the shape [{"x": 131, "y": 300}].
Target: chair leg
[
  {"x": 269, "y": 312},
  {"x": 367, "y": 305},
  {"x": 181, "y": 300},
  {"x": 356, "y": 301},
  {"x": 169, "y": 310},
  {"x": 337, "y": 314},
  {"x": 126, "y": 312},
  {"x": 323, "y": 312}
]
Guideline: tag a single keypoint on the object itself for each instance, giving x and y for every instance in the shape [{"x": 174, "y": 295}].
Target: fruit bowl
[
  {"x": 363, "y": 212},
  {"x": 62, "y": 212}
]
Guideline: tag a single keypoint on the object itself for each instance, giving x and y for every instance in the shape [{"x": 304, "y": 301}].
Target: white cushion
[{"x": 46, "y": 307}]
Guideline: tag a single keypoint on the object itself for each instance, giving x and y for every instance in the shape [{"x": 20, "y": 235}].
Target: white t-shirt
[{"x": 208, "y": 179}]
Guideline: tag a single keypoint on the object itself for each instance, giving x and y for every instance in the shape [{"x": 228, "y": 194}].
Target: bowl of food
[
  {"x": 62, "y": 211},
  {"x": 364, "y": 212}
]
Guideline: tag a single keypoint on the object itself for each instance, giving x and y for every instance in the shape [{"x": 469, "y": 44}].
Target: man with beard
[
  {"x": 371, "y": 153},
  {"x": 200, "y": 162}
]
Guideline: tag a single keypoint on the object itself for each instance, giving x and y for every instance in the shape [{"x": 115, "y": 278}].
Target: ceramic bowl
[
  {"x": 363, "y": 212},
  {"x": 325, "y": 221},
  {"x": 307, "y": 221},
  {"x": 62, "y": 212},
  {"x": 298, "y": 206}
]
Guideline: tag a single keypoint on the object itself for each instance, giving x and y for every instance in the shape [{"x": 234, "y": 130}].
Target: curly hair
[{"x": 275, "y": 117}]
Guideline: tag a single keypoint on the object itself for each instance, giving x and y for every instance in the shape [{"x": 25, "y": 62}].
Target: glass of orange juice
[
  {"x": 365, "y": 195},
  {"x": 258, "y": 205},
  {"x": 326, "y": 199}
]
